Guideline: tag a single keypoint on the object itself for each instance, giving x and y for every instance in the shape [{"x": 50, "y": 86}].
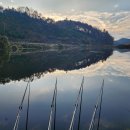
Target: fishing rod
[
  {"x": 76, "y": 105},
  {"x": 20, "y": 109},
  {"x": 28, "y": 108},
  {"x": 100, "y": 109},
  {"x": 96, "y": 107},
  {"x": 80, "y": 109},
  {"x": 53, "y": 108}
]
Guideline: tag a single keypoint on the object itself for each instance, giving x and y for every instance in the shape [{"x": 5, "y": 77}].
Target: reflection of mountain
[{"x": 35, "y": 64}]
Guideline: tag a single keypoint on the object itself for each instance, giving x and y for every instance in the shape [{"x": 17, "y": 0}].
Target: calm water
[{"x": 69, "y": 67}]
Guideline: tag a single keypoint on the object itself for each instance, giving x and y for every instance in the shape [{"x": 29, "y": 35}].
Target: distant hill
[
  {"x": 122, "y": 41},
  {"x": 25, "y": 24}
]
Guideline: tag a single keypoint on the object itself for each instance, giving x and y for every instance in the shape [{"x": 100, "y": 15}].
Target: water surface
[{"x": 69, "y": 67}]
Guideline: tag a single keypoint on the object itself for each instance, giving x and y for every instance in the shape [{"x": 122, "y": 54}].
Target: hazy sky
[
  {"x": 78, "y": 5},
  {"x": 113, "y": 15}
]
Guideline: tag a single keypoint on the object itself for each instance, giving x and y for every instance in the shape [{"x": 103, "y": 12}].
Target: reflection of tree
[
  {"x": 36, "y": 64},
  {"x": 4, "y": 50}
]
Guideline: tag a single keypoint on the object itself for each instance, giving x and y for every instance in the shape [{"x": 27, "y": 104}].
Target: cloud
[
  {"x": 72, "y": 10},
  {"x": 64, "y": 5},
  {"x": 117, "y": 23},
  {"x": 1, "y": 3},
  {"x": 12, "y": 1},
  {"x": 116, "y": 6}
]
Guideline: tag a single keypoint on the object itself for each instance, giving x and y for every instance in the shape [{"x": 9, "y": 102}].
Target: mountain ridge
[
  {"x": 122, "y": 41},
  {"x": 24, "y": 24}
]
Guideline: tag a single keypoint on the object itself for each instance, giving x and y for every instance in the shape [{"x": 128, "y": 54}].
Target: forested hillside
[{"x": 25, "y": 24}]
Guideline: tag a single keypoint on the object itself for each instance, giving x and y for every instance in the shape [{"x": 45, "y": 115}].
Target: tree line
[{"x": 24, "y": 24}]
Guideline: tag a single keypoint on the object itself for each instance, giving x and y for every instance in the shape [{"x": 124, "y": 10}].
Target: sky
[{"x": 112, "y": 15}]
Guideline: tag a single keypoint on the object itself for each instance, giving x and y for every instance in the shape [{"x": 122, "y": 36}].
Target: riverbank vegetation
[
  {"x": 4, "y": 49},
  {"x": 4, "y": 44}
]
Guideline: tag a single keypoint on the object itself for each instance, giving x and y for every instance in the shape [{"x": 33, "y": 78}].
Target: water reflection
[
  {"x": 4, "y": 57},
  {"x": 115, "y": 113},
  {"x": 36, "y": 64}
]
